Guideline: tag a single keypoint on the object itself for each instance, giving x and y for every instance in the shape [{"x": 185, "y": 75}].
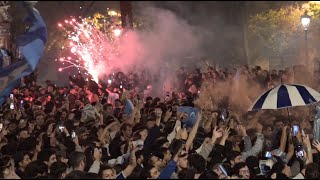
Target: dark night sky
[{"x": 55, "y": 11}]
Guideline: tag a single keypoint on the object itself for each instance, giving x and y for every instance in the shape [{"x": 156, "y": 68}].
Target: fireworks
[{"x": 90, "y": 47}]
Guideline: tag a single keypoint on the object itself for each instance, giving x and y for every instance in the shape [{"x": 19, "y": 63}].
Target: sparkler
[{"x": 90, "y": 47}]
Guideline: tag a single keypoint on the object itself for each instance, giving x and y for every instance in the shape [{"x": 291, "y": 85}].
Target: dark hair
[
  {"x": 145, "y": 173},
  {"x": 3, "y": 165},
  {"x": 75, "y": 158},
  {"x": 232, "y": 155},
  {"x": 277, "y": 168},
  {"x": 44, "y": 155},
  {"x": 34, "y": 168},
  {"x": 187, "y": 173},
  {"x": 237, "y": 167},
  {"x": 197, "y": 162},
  {"x": 103, "y": 168},
  {"x": 57, "y": 169},
  {"x": 124, "y": 127},
  {"x": 89, "y": 152},
  {"x": 312, "y": 171}
]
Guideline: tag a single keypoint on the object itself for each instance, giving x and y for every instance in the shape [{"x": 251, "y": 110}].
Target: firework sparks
[{"x": 91, "y": 49}]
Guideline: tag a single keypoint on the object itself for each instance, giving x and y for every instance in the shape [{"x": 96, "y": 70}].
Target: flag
[
  {"x": 31, "y": 45},
  {"x": 192, "y": 115}
]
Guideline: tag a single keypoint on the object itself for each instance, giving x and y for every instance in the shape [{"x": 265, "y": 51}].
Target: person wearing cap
[{"x": 21, "y": 159}]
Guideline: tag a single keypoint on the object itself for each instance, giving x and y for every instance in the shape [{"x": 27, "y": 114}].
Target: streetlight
[{"x": 305, "y": 21}]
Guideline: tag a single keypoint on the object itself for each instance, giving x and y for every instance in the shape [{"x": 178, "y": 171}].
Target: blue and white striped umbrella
[{"x": 286, "y": 95}]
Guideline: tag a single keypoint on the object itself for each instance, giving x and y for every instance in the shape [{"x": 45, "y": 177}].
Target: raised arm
[
  {"x": 193, "y": 132},
  {"x": 283, "y": 140}
]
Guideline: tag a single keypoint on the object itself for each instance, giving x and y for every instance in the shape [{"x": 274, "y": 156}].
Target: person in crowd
[{"x": 110, "y": 130}]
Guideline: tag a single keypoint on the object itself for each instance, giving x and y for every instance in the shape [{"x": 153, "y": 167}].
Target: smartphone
[
  {"x": 263, "y": 167},
  {"x": 73, "y": 134},
  {"x": 109, "y": 81},
  {"x": 268, "y": 155},
  {"x": 299, "y": 152},
  {"x": 1, "y": 126},
  {"x": 224, "y": 171},
  {"x": 295, "y": 130},
  {"x": 11, "y": 96}
]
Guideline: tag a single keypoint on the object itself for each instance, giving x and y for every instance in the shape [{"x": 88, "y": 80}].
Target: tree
[{"x": 278, "y": 32}]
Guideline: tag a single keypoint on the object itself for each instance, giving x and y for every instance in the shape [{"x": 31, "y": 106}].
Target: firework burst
[{"x": 90, "y": 47}]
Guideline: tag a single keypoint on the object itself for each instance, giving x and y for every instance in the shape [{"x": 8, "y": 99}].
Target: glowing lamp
[{"x": 305, "y": 20}]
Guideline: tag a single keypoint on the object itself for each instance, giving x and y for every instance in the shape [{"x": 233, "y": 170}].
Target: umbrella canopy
[{"x": 286, "y": 95}]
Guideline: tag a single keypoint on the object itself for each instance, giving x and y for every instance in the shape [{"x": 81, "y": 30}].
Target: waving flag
[
  {"x": 31, "y": 45},
  {"x": 192, "y": 115}
]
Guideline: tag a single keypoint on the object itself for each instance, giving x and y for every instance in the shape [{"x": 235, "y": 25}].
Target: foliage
[{"x": 278, "y": 31}]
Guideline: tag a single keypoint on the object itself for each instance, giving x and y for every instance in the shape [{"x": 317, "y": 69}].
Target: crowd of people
[{"x": 118, "y": 129}]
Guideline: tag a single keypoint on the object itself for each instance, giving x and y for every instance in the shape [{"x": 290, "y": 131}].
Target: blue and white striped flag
[
  {"x": 31, "y": 45},
  {"x": 286, "y": 95}
]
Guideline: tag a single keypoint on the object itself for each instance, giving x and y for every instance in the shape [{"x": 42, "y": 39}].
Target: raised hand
[
  {"x": 316, "y": 144},
  {"x": 217, "y": 133},
  {"x": 226, "y": 133},
  {"x": 243, "y": 131},
  {"x": 306, "y": 140}
]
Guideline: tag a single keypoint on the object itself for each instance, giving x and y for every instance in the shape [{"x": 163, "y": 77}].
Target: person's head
[
  {"x": 141, "y": 133},
  {"x": 234, "y": 157},
  {"x": 267, "y": 131},
  {"x": 82, "y": 133},
  {"x": 108, "y": 108},
  {"x": 197, "y": 162},
  {"x": 48, "y": 156},
  {"x": 253, "y": 165},
  {"x": 149, "y": 100},
  {"x": 312, "y": 171},
  {"x": 151, "y": 122},
  {"x": 117, "y": 103},
  {"x": 280, "y": 169},
  {"x": 241, "y": 170},
  {"x": 58, "y": 170},
  {"x": 150, "y": 172},
  {"x": 35, "y": 169},
  {"x": 39, "y": 119},
  {"x": 188, "y": 173},
  {"x": 22, "y": 134},
  {"x": 22, "y": 159},
  {"x": 166, "y": 154},
  {"x": 64, "y": 113},
  {"x": 77, "y": 160},
  {"x": 126, "y": 130},
  {"x": 50, "y": 88},
  {"x": 278, "y": 124},
  {"x": 156, "y": 159},
  {"x": 107, "y": 172},
  {"x": 6, "y": 166},
  {"x": 183, "y": 161}
]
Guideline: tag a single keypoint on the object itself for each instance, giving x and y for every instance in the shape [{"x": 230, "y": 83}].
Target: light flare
[{"x": 92, "y": 50}]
